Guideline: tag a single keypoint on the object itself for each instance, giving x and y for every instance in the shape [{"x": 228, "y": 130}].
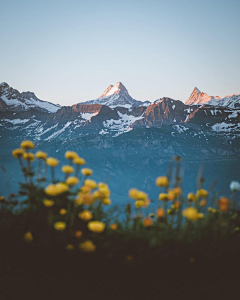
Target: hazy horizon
[{"x": 68, "y": 52}]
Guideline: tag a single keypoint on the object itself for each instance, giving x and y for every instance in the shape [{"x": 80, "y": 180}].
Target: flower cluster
[{"x": 76, "y": 207}]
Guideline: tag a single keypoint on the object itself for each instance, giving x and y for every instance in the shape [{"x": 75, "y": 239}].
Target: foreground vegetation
[{"x": 69, "y": 212}]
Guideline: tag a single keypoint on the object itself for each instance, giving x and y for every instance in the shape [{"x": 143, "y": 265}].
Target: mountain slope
[
  {"x": 117, "y": 95},
  {"x": 12, "y": 99}
]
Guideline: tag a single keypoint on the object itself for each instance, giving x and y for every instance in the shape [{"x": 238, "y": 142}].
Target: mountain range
[
  {"x": 128, "y": 143},
  {"x": 115, "y": 112}
]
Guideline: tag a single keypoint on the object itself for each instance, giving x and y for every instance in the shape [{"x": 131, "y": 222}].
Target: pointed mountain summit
[
  {"x": 117, "y": 95},
  {"x": 198, "y": 97}
]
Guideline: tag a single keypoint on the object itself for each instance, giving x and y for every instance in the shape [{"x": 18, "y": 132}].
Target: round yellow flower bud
[
  {"x": 28, "y": 237},
  {"x": 86, "y": 215},
  {"x": 67, "y": 169},
  {"x": 86, "y": 199},
  {"x": 96, "y": 226},
  {"x": 41, "y": 155},
  {"x": 133, "y": 193},
  {"x": 200, "y": 216},
  {"x": 17, "y": 153},
  {"x": 140, "y": 203},
  {"x": 171, "y": 195},
  {"x": 90, "y": 183},
  {"x": 60, "y": 226},
  {"x": 62, "y": 187},
  {"x": 98, "y": 195},
  {"x": 106, "y": 201},
  {"x": 71, "y": 155},
  {"x": 27, "y": 145},
  {"x": 86, "y": 172},
  {"x": 48, "y": 203},
  {"x": 113, "y": 226},
  {"x": 62, "y": 211},
  {"x": 202, "y": 193},
  {"x": 52, "y": 162},
  {"x": 78, "y": 234},
  {"x": 87, "y": 246},
  {"x": 79, "y": 161},
  {"x": 147, "y": 222},
  {"x": 162, "y": 181},
  {"x": 163, "y": 196},
  {"x": 72, "y": 180},
  {"x": 191, "y": 213},
  {"x": 28, "y": 156},
  {"x": 177, "y": 191},
  {"x": 105, "y": 191},
  {"x": 52, "y": 190},
  {"x": 191, "y": 197},
  {"x": 203, "y": 202}
]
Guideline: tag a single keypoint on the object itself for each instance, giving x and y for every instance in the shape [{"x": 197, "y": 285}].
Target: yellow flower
[
  {"x": 140, "y": 203},
  {"x": 71, "y": 155},
  {"x": 177, "y": 205},
  {"x": 62, "y": 187},
  {"x": 72, "y": 180},
  {"x": 137, "y": 195},
  {"x": 163, "y": 196},
  {"x": 90, "y": 183},
  {"x": 69, "y": 247},
  {"x": 48, "y": 203},
  {"x": 86, "y": 172},
  {"x": 28, "y": 156},
  {"x": 190, "y": 213},
  {"x": 41, "y": 155},
  {"x": 78, "y": 234},
  {"x": 200, "y": 216},
  {"x": 87, "y": 246},
  {"x": 98, "y": 195},
  {"x": 213, "y": 210},
  {"x": 177, "y": 191},
  {"x": 147, "y": 222},
  {"x": 86, "y": 215},
  {"x": 79, "y": 161},
  {"x": 106, "y": 201},
  {"x": 162, "y": 181},
  {"x": 160, "y": 213},
  {"x": 113, "y": 226},
  {"x": 171, "y": 195},
  {"x": 27, "y": 145},
  {"x": 191, "y": 197},
  {"x": 133, "y": 193},
  {"x": 62, "y": 211},
  {"x": 52, "y": 162},
  {"x": 85, "y": 189},
  {"x": 203, "y": 202},
  {"x": 67, "y": 169},
  {"x": 86, "y": 199},
  {"x": 52, "y": 190},
  {"x": 17, "y": 153},
  {"x": 28, "y": 237},
  {"x": 60, "y": 226},
  {"x": 105, "y": 191},
  {"x": 96, "y": 226},
  {"x": 201, "y": 193}
]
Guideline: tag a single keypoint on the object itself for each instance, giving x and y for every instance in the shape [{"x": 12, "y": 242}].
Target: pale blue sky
[{"x": 71, "y": 51}]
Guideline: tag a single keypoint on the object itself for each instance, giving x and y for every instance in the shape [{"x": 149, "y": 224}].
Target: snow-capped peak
[
  {"x": 117, "y": 95},
  {"x": 197, "y": 97}
]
